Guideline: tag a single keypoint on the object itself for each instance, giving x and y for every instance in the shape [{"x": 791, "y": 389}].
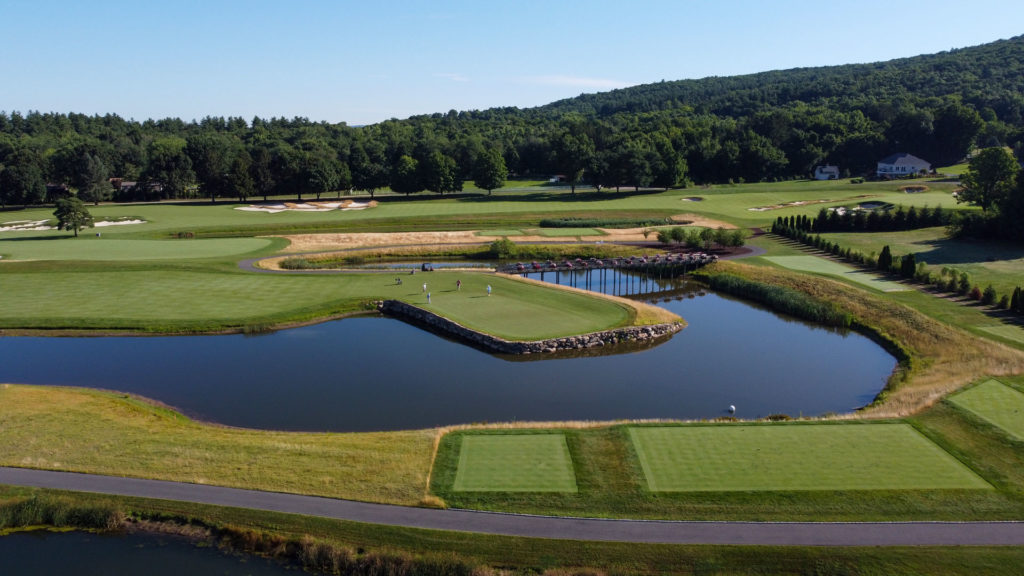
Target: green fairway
[
  {"x": 91, "y": 248},
  {"x": 143, "y": 298},
  {"x": 1000, "y": 264},
  {"x": 502, "y": 232},
  {"x": 755, "y": 204},
  {"x": 997, "y": 403},
  {"x": 796, "y": 457},
  {"x": 557, "y": 232},
  {"x": 1008, "y": 331},
  {"x": 515, "y": 463},
  {"x": 817, "y": 265}
]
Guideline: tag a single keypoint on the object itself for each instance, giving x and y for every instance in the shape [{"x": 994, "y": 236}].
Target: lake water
[
  {"x": 375, "y": 373},
  {"x": 84, "y": 554}
]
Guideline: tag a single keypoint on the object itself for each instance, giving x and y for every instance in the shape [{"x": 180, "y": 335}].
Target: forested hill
[
  {"x": 767, "y": 126},
  {"x": 990, "y": 76}
]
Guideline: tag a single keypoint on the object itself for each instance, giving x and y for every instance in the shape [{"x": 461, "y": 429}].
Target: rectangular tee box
[
  {"x": 997, "y": 403},
  {"x": 889, "y": 456},
  {"x": 515, "y": 463}
]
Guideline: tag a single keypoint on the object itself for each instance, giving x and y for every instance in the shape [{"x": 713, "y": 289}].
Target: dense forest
[{"x": 768, "y": 126}]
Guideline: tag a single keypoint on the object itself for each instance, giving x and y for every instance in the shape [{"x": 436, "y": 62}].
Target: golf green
[
  {"x": 707, "y": 458},
  {"x": 515, "y": 463},
  {"x": 995, "y": 402},
  {"x": 829, "y": 268}
]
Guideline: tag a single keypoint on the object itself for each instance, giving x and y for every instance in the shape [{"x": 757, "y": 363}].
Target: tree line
[{"x": 770, "y": 126}]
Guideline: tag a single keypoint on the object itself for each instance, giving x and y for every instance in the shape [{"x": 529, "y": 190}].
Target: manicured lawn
[
  {"x": 515, "y": 310},
  {"x": 515, "y": 207},
  {"x": 106, "y": 433},
  {"x": 92, "y": 248},
  {"x": 997, "y": 263},
  {"x": 997, "y": 403},
  {"x": 796, "y": 457},
  {"x": 36, "y": 295},
  {"x": 558, "y": 232},
  {"x": 515, "y": 463},
  {"x": 503, "y": 232},
  {"x": 818, "y": 265}
]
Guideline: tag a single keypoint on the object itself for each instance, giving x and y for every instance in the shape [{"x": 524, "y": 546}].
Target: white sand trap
[
  {"x": 103, "y": 223},
  {"x": 308, "y": 206},
  {"x": 25, "y": 226}
]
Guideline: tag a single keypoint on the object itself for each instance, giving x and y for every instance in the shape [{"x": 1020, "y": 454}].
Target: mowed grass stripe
[
  {"x": 796, "y": 457},
  {"x": 91, "y": 248},
  {"x": 829, "y": 268},
  {"x": 515, "y": 463},
  {"x": 997, "y": 403}
]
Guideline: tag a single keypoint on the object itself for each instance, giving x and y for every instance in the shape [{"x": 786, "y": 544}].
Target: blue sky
[{"x": 366, "y": 61}]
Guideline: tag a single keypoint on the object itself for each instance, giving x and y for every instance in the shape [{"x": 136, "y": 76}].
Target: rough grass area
[
  {"x": 796, "y": 457},
  {"x": 515, "y": 463},
  {"x": 827, "y": 267},
  {"x": 105, "y": 433},
  {"x": 995, "y": 402}
]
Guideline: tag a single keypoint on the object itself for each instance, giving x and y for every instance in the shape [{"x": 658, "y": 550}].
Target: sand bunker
[
  {"x": 346, "y": 241},
  {"x": 343, "y": 205}
]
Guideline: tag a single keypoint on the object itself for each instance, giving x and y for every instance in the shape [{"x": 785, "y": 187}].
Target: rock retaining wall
[{"x": 445, "y": 326}]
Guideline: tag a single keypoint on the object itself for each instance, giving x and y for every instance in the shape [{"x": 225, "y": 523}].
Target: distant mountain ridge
[{"x": 990, "y": 75}]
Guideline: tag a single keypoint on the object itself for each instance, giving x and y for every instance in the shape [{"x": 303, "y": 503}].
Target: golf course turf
[
  {"x": 996, "y": 403},
  {"x": 796, "y": 457},
  {"x": 515, "y": 463},
  {"x": 818, "y": 265}
]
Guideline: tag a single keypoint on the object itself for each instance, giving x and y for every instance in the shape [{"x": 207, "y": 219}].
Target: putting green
[
  {"x": 796, "y": 457},
  {"x": 997, "y": 403},
  {"x": 515, "y": 463},
  {"x": 829, "y": 268}
]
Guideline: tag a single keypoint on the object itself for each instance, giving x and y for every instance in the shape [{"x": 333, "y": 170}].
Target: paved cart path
[{"x": 745, "y": 533}]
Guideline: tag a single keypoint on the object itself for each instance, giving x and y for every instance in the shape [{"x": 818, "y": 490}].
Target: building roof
[{"x": 903, "y": 159}]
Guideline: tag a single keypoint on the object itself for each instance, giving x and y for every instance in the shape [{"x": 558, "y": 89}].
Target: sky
[{"x": 362, "y": 62}]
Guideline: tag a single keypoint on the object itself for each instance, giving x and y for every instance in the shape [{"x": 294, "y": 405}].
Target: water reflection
[{"x": 377, "y": 373}]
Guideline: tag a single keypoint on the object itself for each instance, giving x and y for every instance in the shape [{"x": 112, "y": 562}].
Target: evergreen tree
[{"x": 885, "y": 259}]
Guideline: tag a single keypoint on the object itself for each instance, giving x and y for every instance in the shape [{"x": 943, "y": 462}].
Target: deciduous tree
[{"x": 72, "y": 214}]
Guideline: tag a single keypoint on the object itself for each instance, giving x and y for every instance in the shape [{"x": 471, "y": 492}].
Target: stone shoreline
[{"x": 433, "y": 322}]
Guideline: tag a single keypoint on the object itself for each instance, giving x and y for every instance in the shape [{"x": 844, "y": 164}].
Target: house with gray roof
[{"x": 901, "y": 164}]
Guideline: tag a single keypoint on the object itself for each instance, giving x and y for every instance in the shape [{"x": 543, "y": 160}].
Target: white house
[
  {"x": 902, "y": 164},
  {"x": 826, "y": 173}
]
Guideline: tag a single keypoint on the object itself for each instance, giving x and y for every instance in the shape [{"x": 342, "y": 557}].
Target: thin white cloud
[
  {"x": 454, "y": 77},
  {"x": 575, "y": 81}
]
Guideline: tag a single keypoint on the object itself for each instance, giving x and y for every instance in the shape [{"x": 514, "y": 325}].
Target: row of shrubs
[
  {"x": 907, "y": 266},
  {"x": 868, "y": 220},
  {"x": 572, "y": 222},
  {"x": 783, "y": 299},
  {"x": 703, "y": 237}
]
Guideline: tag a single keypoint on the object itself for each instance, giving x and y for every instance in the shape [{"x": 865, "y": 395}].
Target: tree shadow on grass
[{"x": 952, "y": 251}]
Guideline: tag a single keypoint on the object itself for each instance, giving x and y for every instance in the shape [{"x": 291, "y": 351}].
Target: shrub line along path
[{"x": 594, "y": 529}]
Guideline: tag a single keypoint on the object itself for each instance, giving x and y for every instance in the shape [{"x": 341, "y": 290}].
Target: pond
[
  {"x": 85, "y": 554},
  {"x": 376, "y": 373}
]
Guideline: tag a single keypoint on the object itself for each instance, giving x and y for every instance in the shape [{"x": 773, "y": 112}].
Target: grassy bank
[
  {"x": 451, "y": 552},
  {"x": 105, "y": 433}
]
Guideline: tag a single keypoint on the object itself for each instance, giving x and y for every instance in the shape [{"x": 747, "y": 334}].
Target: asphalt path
[{"x": 668, "y": 532}]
